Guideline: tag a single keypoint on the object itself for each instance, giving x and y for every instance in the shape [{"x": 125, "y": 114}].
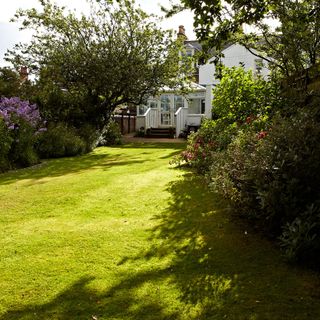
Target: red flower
[
  {"x": 262, "y": 134},
  {"x": 248, "y": 120}
]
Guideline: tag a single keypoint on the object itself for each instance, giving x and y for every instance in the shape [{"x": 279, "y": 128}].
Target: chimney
[
  {"x": 23, "y": 74},
  {"x": 182, "y": 33}
]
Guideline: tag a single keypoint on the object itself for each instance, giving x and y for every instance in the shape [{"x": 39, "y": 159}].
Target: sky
[{"x": 10, "y": 34}]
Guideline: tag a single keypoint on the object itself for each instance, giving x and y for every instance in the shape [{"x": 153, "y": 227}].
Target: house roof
[
  {"x": 197, "y": 46},
  {"x": 192, "y": 86},
  {"x": 194, "y": 44}
]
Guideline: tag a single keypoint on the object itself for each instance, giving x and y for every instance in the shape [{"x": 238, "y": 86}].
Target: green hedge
[{"x": 60, "y": 141}]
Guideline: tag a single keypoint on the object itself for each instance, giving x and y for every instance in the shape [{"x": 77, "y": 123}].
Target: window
[
  {"x": 153, "y": 104},
  {"x": 203, "y": 106},
  {"x": 196, "y": 106},
  {"x": 178, "y": 102},
  {"x": 165, "y": 103}
]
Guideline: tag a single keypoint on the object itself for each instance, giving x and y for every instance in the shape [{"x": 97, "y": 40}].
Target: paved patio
[{"x": 130, "y": 138}]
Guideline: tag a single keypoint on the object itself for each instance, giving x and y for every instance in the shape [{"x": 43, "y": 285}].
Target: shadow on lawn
[
  {"x": 69, "y": 165},
  {"x": 79, "y": 302},
  {"x": 220, "y": 269}
]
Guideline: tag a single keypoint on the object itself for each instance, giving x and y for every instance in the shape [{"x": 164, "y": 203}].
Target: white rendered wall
[{"x": 234, "y": 56}]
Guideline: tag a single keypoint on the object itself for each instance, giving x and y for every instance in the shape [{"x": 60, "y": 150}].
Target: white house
[
  {"x": 233, "y": 56},
  {"x": 184, "y": 112}
]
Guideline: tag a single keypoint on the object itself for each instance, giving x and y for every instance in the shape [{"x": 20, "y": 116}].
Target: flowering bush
[
  {"x": 21, "y": 123},
  {"x": 198, "y": 152},
  {"x": 5, "y": 145},
  {"x": 242, "y": 102},
  {"x": 263, "y": 154},
  {"x": 13, "y": 110},
  {"x": 271, "y": 177},
  {"x": 215, "y": 136},
  {"x": 200, "y": 148}
]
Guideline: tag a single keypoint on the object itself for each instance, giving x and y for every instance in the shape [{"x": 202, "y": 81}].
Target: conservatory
[{"x": 172, "y": 109}]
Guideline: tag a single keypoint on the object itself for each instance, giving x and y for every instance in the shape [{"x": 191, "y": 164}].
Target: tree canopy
[
  {"x": 86, "y": 65},
  {"x": 290, "y": 47},
  {"x": 9, "y": 82},
  {"x": 216, "y": 20}
]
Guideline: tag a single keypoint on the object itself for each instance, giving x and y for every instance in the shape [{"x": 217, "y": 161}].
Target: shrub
[
  {"x": 197, "y": 153},
  {"x": 301, "y": 238},
  {"x": 200, "y": 146},
  {"x": 227, "y": 171},
  {"x": 240, "y": 95},
  {"x": 213, "y": 137},
  {"x": 23, "y": 152},
  {"x": 89, "y": 135},
  {"x": 271, "y": 177},
  {"x": 111, "y": 135},
  {"x": 5, "y": 145},
  {"x": 241, "y": 102},
  {"x": 263, "y": 154},
  {"x": 60, "y": 141},
  {"x": 287, "y": 160},
  {"x": 23, "y": 123}
]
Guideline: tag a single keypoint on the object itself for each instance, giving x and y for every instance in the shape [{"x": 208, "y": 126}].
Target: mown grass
[{"x": 119, "y": 234}]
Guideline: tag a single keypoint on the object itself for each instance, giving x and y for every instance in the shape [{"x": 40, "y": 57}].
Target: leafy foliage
[
  {"x": 112, "y": 135},
  {"x": 5, "y": 144},
  {"x": 294, "y": 44},
  {"x": 60, "y": 141},
  {"x": 20, "y": 124},
  {"x": 242, "y": 97},
  {"x": 300, "y": 238},
  {"x": 89, "y": 65},
  {"x": 241, "y": 102},
  {"x": 263, "y": 159},
  {"x": 291, "y": 47},
  {"x": 271, "y": 179},
  {"x": 9, "y": 83},
  {"x": 216, "y": 20}
]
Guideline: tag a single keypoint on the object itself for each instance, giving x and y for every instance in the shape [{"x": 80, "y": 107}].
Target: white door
[{"x": 166, "y": 111}]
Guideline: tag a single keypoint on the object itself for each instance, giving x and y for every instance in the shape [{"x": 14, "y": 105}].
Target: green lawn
[{"x": 119, "y": 234}]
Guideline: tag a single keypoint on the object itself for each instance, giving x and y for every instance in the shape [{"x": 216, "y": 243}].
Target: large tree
[
  {"x": 12, "y": 84},
  {"x": 294, "y": 44},
  {"x": 86, "y": 65},
  {"x": 290, "y": 47},
  {"x": 215, "y": 21},
  {"x": 9, "y": 82}
]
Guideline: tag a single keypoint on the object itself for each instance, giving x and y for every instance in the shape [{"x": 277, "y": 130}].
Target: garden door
[{"x": 166, "y": 111}]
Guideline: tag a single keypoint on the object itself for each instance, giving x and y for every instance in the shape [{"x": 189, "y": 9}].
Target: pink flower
[{"x": 262, "y": 134}]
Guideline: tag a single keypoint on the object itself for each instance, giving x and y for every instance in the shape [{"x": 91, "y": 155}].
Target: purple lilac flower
[{"x": 13, "y": 109}]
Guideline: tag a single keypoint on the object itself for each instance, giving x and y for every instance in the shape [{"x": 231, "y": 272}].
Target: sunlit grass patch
[{"x": 121, "y": 234}]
